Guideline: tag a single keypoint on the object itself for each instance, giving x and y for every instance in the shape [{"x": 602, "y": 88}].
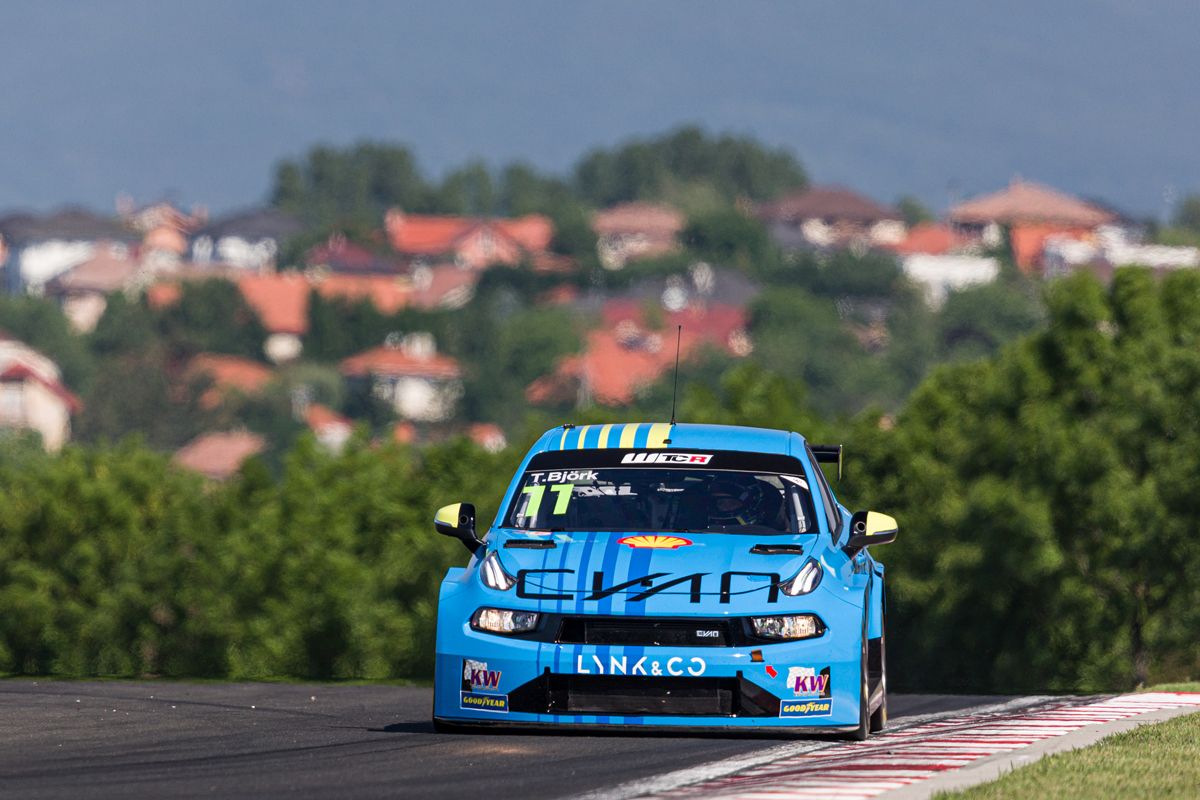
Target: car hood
[{"x": 640, "y": 566}]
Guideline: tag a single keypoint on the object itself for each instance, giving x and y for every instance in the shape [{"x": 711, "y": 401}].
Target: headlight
[
  {"x": 807, "y": 579},
  {"x": 493, "y": 574},
  {"x": 498, "y": 620},
  {"x": 794, "y": 626}
]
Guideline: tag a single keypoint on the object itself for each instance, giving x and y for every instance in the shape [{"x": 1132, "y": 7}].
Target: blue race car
[{"x": 669, "y": 575}]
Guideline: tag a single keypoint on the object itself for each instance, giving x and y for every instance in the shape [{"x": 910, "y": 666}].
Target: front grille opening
[
  {"x": 629, "y": 695},
  {"x": 645, "y": 632},
  {"x": 615, "y": 694}
]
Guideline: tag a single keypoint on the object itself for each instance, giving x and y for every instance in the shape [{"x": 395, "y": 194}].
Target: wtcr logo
[{"x": 666, "y": 458}]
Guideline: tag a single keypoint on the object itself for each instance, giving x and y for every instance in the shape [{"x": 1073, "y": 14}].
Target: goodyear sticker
[
  {"x": 806, "y": 708},
  {"x": 474, "y": 701}
]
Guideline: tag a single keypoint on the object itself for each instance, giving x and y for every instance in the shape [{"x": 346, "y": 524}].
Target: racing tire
[
  {"x": 863, "y": 730},
  {"x": 879, "y": 716}
]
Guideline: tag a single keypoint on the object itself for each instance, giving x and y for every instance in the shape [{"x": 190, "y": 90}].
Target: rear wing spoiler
[{"x": 828, "y": 454}]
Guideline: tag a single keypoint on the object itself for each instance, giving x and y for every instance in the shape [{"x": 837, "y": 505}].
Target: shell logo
[{"x": 654, "y": 542}]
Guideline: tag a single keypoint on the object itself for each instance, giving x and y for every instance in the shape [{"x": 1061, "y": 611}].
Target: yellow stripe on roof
[
  {"x": 582, "y": 433},
  {"x": 604, "y": 436},
  {"x": 628, "y": 433},
  {"x": 659, "y": 432},
  {"x": 562, "y": 443}
]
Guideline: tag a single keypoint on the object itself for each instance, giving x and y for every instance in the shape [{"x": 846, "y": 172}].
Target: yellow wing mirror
[
  {"x": 457, "y": 521},
  {"x": 870, "y": 527}
]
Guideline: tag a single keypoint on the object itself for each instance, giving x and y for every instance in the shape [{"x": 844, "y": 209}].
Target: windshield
[{"x": 677, "y": 500}]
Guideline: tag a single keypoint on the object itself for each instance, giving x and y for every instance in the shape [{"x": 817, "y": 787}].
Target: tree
[
  {"x": 913, "y": 210},
  {"x": 977, "y": 321},
  {"x": 212, "y": 316},
  {"x": 352, "y": 185},
  {"x": 1040, "y": 492},
  {"x": 1187, "y": 215},
  {"x": 40, "y": 324},
  {"x": 468, "y": 190},
  {"x": 729, "y": 238},
  {"x": 654, "y": 169}
]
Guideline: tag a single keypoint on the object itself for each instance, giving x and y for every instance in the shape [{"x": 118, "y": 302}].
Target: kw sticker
[
  {"x": 808, "y": 682},
  {"x": 477, "y": 674}
]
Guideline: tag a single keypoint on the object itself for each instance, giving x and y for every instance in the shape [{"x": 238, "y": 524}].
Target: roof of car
[{"x": 654, "y": 435}]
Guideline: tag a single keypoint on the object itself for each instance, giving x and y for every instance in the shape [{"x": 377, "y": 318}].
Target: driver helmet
[{"x": 735, "y": 500}]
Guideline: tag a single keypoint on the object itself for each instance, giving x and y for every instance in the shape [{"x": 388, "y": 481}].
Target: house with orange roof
[
  {"x": 281, "y": 300},
  {"x": 487, "y": 435},
  {"x": 218, "y": 456},
  {"x": 630, "y": 231},
  {"x": 940, "y": 259},
  {"x": 404, "y": 432},
  {"x": 33, "y": 396},
  {"x": 625, "y": 355},
  {"x": 82, "y": 291},
  {"x": 229, "y": 374},
  {"x": 1032, "y": 213},
  {"x": 409, "y": 374},
  {"x": 331, "y": 428},
  {"x": 469, "y": 242}
]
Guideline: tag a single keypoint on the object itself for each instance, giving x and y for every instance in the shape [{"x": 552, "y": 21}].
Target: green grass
[
  {"x": 1152, "y": 761},
  {"x": 1173, "y": 687}
]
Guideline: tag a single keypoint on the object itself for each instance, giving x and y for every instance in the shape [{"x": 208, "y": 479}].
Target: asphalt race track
[{"x": 157, "y": 739}]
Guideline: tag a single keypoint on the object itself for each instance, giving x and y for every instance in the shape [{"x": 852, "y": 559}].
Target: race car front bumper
[{"x": 484, "y": 678}]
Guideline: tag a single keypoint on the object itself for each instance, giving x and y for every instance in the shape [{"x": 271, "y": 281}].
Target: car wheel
[
  {"x": 864, "y": 697},
  {"x": 879, "y": 716}
]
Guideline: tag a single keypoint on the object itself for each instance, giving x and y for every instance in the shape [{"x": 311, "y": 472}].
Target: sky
[{"x": 196, "y": 102}]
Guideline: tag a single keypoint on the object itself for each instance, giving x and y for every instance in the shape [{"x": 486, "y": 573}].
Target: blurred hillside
[{"x": 224, "y": 438}]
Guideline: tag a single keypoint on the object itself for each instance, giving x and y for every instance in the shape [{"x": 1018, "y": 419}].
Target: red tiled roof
[
  {"x": 228, "y": 373},
  {"x": 623, "y": 357},
  {"x": 651, "y": 219},
  {"x": 448, "y": 286},
  {"x": 487, "y": 435},
  {"x": 219, "y": 455},
  {"x": 829, "y": 203},
  {"x": 421, "y": 234},
  {"x": 106, "y": 271},
  {"x": 161, "y": 295},
  {"x": 932, "y": 238},
  {"x": 534, "y": 232},
  {"x": 319, "y": 416},
  {"x": 404, "y": 433},
  {"x": 20, "y": 373},
  {"x": 281, "y": 301},
  {"x": 387, "y": 294},
  {"x": 1024, "y": 202},
  {"x": 1028, "y": 241},
  {"x": 394, "y": 361}
]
